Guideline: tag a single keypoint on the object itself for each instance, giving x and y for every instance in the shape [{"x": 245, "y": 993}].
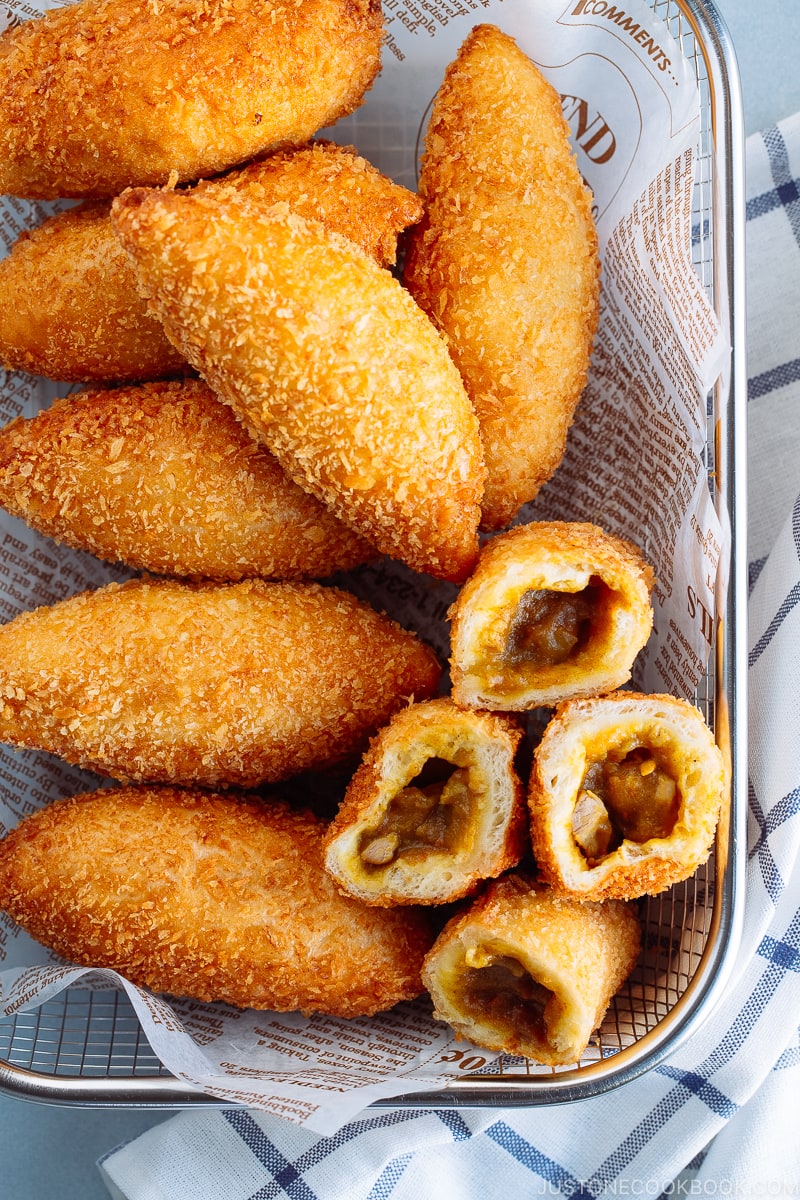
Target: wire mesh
[{"x": 79, "y": 1033}]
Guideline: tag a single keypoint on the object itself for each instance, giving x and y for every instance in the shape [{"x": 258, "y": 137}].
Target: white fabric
[{"x": 720, "y": 1115}]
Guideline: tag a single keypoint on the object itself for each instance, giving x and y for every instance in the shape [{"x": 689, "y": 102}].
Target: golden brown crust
[
  {"x": 558, "y": 557},
  {"x": 164, "y": 478},
  {"x": 206, "y": 896},
  {"x": 69, "y": 308},
  {"x": 580, "y": 952},
  {"x": 217, "y": 685},
  {"x": 326, "y": 358},
  {"x": 69, "y": 304},
  {"x": 495, "y": 832},
  {"x": 334, "y": 185},
  {"x": 505, "y": 261},
  {"x": 583, "y": 731},
  {"x": 103, "y": 94}
]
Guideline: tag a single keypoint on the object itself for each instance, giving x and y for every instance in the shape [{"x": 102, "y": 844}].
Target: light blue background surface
[
  {"x": 47, "y": 1151},
  {"x": 765, "y": 34}
]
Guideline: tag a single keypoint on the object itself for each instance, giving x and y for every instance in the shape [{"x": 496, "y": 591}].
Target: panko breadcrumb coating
[
  {"x": 162, "y": 477},
  {"x": 531, "y": 973},
  {"x": 325, "y": 358},
  {"x": 102, "y": 94},
  {"x": 69, "y": 308},
  {"x": 215, "y": 685},
  {"x": 505, "y": 261},
  {"x": 209, "y": 897},
  {"x": 334, "y": 185},
  {"x": 69, "y": 305}
]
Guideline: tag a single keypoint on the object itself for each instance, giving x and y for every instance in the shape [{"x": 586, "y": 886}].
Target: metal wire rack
[{"x": 86, "y": 1047}]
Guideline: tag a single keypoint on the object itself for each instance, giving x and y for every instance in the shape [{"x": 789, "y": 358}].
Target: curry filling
[
  {"x": 630, "y": 796},
  {"x": 499, "y": 990},
  {"x": 423, "y": 816},
  {"x": 550, "y": 627}
]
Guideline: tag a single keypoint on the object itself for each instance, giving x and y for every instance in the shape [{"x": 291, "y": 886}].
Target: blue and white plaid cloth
[{"x": 718, "y": 1117}]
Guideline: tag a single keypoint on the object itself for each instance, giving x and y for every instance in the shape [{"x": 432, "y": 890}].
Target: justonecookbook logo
[{"x": 683, "y": 1188}]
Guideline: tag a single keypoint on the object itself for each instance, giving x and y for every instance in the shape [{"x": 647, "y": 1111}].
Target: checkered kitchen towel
[{"x": 719, "y": 1116}]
